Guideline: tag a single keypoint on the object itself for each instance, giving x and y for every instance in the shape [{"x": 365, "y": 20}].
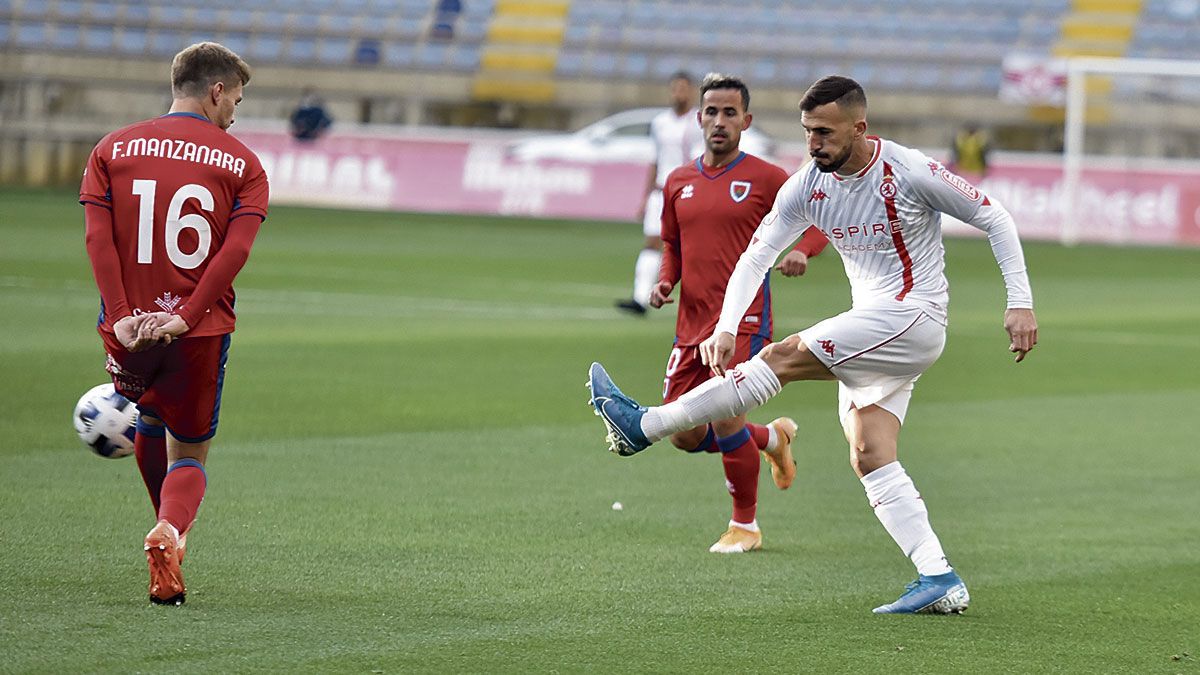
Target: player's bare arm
[{"x": 1021, "y": 325}]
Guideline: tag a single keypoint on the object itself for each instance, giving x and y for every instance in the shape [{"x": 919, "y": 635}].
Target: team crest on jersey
[
  {"x": 167, "y": 302},
  {"x": 687, "y": 191},
  {"x": 739, "y": 190},
  {"x": 888, "y": 188}
]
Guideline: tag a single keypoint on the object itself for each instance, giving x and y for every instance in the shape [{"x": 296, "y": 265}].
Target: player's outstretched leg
[
  {"x": 939, "y": 594},
  {"x": 163, "y": 557},
  {"x": 632, "y": 428},
  {"x": 783, "y": 465},
  {"x": 622, "y": 415}
]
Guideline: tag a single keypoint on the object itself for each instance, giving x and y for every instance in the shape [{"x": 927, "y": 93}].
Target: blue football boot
[
  {"x": 621, "y": 414},
  {"x": 941, "y": 594}
]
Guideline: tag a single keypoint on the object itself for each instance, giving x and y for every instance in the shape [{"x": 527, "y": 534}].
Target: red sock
[
  {"x": 182, "y": 492},
  {"x": 760, "y": 434},
  {"x": 739, "y": 455},
  {"x": 150, "y": 450}
]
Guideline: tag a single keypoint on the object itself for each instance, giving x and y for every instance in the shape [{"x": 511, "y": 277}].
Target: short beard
[{"x": 837, "y": 163}]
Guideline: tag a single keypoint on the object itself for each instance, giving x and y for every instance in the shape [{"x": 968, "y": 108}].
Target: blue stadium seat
[
  {"x": 31, "y": 34},
  {"x": 569, "y": 63},
  {"x": 99, "y": 38},
  {"x": 334, "y": 51},
  {"x": 398, "y": 55},
  {"x": 68, "y": 9},
  {"x": 167, "y": 42},
  {"x": 267, "y": 47},
  {"x": 133, "y": 40},
  {"x": 65, "y": 36}
]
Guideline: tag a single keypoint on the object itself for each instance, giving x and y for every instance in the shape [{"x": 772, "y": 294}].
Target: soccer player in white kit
[
  {"x": 677, "y": 139},
  {"x": 879, "y": 204}
]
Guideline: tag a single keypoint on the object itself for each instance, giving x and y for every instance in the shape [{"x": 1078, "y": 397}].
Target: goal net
[{"x": 1131, "y": 151}]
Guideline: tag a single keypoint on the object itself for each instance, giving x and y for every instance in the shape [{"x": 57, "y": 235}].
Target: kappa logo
[
  {"x": 827, "y": 346},
  {"x": 934, "y": 167},
  {"x": 739, "y": 190},
  {"x": 688, "y": 192},
  {"x": 168, "y": 302},
  {"x": 817, "y": 195}
]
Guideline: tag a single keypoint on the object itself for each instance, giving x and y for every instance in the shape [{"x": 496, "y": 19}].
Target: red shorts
[
  {"x": 179, "y": 384},
  {"x": 685, "y": 372}
]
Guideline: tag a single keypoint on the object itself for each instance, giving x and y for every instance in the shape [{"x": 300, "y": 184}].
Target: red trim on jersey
[
  {"x": 874, "y": 158},
  {"x": 897, "y": 234},
  {"x": 871, "y": 349}
]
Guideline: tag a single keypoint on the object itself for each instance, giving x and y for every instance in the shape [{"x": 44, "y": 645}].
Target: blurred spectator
[
  {"x": 969, "y": 152},
  {"x": 309, "y": 120},
  {"x": 445, "y": 15}
]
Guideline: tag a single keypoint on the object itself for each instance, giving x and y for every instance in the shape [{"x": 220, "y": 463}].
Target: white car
[{"x": 623, "y": 137}]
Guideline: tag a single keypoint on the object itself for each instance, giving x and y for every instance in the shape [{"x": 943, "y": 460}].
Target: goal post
[{"x": 1125, "y": 114}]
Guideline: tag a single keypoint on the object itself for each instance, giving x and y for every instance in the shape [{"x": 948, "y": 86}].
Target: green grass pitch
[{"x": 407, "y": 478}]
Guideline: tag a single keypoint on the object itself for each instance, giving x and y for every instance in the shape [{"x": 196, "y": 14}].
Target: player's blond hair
[{"x": 202, "y": 65}]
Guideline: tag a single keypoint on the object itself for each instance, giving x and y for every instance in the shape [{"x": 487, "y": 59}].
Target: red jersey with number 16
[
  {"x": 709, "y": 216},
  {"x": 175, "y": 185}
]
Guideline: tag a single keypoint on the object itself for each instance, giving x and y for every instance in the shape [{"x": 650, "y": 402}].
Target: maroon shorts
[
  {"x": 179, "y": 383},
  {"x": 685, "y": 371}
]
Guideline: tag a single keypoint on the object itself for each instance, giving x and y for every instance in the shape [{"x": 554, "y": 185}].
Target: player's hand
[
  {"x": 717, "y": 351},
  {"x": 135, "y": 333},
  {"x": 794, "y": 264},
  {"x": 172, "y": 327},
  {"x": 1021, "y": 325},
  {"x": 660, "y": 294}
]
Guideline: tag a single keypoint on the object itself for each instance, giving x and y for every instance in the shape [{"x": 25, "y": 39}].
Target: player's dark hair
[
  {"x": 202, "y": 65},
  {"x": 681, "y": 75},
  {"x": 719, "y": 81},
  {"x": 834, "y": 89}
]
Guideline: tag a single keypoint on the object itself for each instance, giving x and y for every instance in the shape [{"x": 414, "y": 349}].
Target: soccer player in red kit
[
  {"x": 712, "y": 206},
  {"x": 172, "y": 207}
]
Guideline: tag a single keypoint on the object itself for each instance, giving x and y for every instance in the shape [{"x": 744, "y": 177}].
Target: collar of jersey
[
  {"x": 188, "y": 114},
  {"x": 865, "y": 169},
  {"x": 724, "y": 169}
]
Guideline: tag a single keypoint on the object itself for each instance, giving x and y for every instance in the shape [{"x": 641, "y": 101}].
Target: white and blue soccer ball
[{"x": 106, "y": 421}]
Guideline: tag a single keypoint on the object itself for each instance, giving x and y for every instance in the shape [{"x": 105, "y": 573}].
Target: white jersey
[
  {"x": 677, "y": 140},
  {"x": 885, "y": 222}
]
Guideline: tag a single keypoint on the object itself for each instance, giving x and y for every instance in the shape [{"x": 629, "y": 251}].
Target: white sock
[
  {"x": 900, "y": 508},
  {"x": 743, "y": 389},
  {"x": 752, "y": 526},
  {"x": 772, "y": 438},
  {"x": 645, "y": 274}
]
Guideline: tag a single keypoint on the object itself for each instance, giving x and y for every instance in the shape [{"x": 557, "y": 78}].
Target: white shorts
[
  {"x": 652, "y": 222},
  {"x": 877, "y": 354}
]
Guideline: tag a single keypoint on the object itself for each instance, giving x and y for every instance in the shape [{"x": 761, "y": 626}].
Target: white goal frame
[{"x": 1078, "y": 70}]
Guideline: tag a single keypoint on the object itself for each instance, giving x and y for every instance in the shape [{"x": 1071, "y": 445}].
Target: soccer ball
[{"x": 106, "y": 421}]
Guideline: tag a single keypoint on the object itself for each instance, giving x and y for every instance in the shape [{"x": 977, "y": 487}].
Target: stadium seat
[
  {"x": 31, "y": 34},
  {"x": 65, "y": 36},
  {"x": 98, "y": 38}
]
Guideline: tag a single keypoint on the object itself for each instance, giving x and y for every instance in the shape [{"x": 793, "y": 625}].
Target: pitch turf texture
[{"x": 407, "y": 478}]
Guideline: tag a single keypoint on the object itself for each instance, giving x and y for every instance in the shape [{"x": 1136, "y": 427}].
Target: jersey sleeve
[
  {"x": 671, "y": 269},
  {"x": 944, "y": 191},
  {"x": 95, "y": 187},
  {"x": 954, "y": 195},
  {"x": 254, "y": 193}
]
